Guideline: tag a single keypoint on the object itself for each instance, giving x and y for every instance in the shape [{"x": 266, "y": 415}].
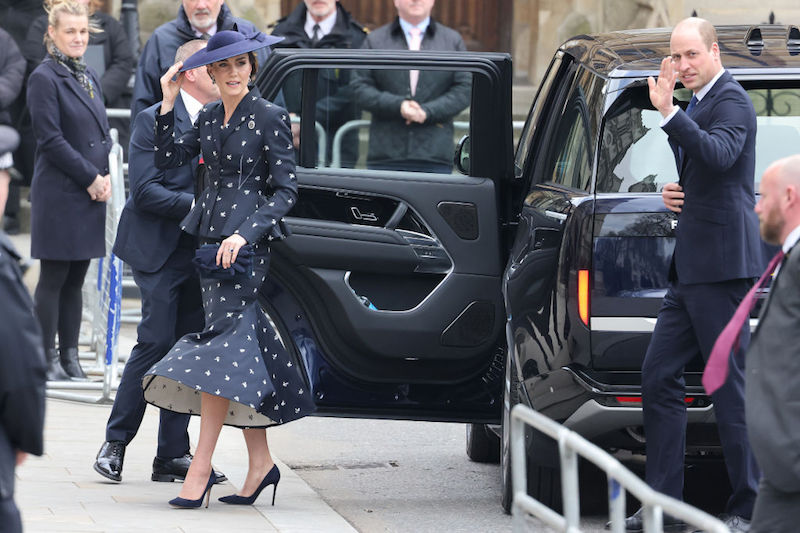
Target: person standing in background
[
  {"x": 324, "y": 24},
  {"x": 196, "y": 19},
  {"x": 70, "y": 184},
  {"x": 413, "y": 111},
  {"x": 109, "y": 54}
]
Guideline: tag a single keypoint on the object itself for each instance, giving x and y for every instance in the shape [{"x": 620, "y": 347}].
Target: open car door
[{"x": 388, "y": 291}]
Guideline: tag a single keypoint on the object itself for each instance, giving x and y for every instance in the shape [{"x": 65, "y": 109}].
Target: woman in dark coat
[
  {"x": 70, "y": 184},
  {"x": 236, "y": 371}
]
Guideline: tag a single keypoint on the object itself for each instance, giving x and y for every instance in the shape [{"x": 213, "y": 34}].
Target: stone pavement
[{"x": 60, "y": 491}]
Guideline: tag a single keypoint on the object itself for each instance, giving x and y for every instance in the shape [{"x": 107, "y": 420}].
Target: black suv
[{"x": 533, "y": 279}]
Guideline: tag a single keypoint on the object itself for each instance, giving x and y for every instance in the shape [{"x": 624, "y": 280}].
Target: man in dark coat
[
  {"x": 160, "y": 255},
  {"x": 324, "y": 24},
  {"x": 157, "y": 56},
  {"x": 22, "y": 377},
  {"x": 773, "y": 365},
  {"x": 713, "y": 141},
  {"x": 412, "y": 111}
]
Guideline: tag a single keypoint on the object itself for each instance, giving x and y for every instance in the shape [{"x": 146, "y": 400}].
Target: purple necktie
[{"x": 716, "y": 371}]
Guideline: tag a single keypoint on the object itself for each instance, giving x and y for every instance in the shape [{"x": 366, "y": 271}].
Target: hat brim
[{"x": 206, "y": 57}]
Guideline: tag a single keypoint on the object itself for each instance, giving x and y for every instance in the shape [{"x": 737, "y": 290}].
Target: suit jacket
[
  {"x": 772, "y": 383},
  {"x": 717, "y": 170},
  {"x": 250, "y": 163},
  {"x": 149, "y": 230},
  {"x": 22, "y": 370},
  {"x": 72, "y": 145},
  {"x": 442, "y": 94}
]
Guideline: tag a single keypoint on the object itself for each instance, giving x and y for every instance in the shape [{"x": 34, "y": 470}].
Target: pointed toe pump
[
  {"x": 272, "y": 478},
  {"x": 183, "y": 503}
]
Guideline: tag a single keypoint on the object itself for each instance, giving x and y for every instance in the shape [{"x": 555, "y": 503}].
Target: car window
[
  {"x": 545, "y": 96},
  {"x": 635, "y": 155},
  {"x": 571, "y": 148},
  {"x": 359, "y": 121}
]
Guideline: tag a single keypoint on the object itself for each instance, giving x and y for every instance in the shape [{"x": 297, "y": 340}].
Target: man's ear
[
  {"x": 190, "y": 75},
  {"x": 792, "y": 196}
]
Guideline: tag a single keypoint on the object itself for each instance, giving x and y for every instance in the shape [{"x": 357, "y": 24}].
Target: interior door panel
[{"x": 394, "y": 276}]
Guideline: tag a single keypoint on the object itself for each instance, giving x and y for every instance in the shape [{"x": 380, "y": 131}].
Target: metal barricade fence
[
  {"x": 620, "y": 479},
  {"x": 102, "y": 302},
  {"x": 336, "y": 149}
]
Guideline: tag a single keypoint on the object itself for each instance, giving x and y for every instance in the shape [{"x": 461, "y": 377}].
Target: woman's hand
[
  {"x": 100, "y": 189},
  {"x": 170, "y": 88},
  {"x": 229, "y": 250}
]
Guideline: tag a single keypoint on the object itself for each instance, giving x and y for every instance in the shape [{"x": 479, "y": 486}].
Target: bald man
[
  {"x": 717, "y": 256},
  {"x": 773, "y": 360}
]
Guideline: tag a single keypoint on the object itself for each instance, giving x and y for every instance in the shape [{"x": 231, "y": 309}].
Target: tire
[
  {"x": 544, "y": 482},
  {"x": 483, "y": 446}
]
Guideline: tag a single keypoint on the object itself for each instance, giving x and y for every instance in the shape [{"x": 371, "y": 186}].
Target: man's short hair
[{"x": 188, "y": 48}]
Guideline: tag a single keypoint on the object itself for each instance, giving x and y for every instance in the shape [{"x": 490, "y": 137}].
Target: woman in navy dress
[
  {"x": 70, "y": 183},
  {"x": 236, "y": 371}
]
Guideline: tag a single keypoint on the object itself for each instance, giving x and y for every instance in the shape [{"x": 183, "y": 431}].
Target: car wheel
[
  {"x": 544, "y": 482},
  {"x": 483, "y": 446}
]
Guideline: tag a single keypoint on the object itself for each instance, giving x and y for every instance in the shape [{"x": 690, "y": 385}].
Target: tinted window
[
  {"x": 636, "y": 157},
  {"x": 358, "y": 121}
]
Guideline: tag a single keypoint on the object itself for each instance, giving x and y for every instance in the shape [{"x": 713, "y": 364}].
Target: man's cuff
[{"x": 666, "y": 119}]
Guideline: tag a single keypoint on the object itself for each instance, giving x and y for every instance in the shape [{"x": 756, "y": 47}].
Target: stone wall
[{"x": 540, "y": 26}]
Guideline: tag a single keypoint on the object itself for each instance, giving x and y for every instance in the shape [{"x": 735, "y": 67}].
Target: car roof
[{"x": 633, "y": 53}]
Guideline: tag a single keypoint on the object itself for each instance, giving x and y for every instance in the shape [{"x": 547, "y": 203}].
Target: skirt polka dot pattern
[{"x": 238, "y": 356}]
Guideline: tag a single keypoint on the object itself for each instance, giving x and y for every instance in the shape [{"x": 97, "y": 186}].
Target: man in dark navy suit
[
  {"x": 160, "y": 255},
  {"x": 717, "y": 255}
]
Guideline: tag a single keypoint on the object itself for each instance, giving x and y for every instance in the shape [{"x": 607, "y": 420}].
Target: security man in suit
[
  {"x": 717, "y": 255},
  {"x": 773, "y": 365},
  {"x": 160, "y": 255}
]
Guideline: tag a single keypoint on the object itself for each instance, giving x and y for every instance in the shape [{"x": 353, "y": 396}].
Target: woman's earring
[{"x": 212, "y": 79}]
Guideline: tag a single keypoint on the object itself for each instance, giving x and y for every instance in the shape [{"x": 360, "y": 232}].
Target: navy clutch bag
[{"x": 205, "y": 261}]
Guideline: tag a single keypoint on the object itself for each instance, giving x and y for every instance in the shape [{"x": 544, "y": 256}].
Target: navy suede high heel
[
  {"x": 272, "y": 478},
  {"x": 183, "y": 503}
]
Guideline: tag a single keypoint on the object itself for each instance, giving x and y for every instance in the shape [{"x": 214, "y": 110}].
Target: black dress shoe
[
  {"x": 175, "y": 468},
  {"x": 109, "y": 460},
  {"x": 635, "y": 523},
  {"x": 736, "y": 524}
]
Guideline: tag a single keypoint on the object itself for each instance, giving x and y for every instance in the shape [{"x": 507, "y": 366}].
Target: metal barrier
[
  {"x": 570, "y": 446},
  {"x": 102, "y": 301},
  {"x": 336, "y": 150},
  {"x": 322, "y": 140}
]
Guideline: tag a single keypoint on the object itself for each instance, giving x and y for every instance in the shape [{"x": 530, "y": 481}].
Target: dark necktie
[
  {"x": 716, "y": 371},
  {"x": 315, "y": 36}
]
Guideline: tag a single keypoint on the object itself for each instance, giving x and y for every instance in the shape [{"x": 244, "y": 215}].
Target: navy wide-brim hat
[{"x": 228, "y": 43}]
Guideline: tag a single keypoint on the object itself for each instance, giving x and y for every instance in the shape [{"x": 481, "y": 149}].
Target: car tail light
[{"x": 583, "y": 296}]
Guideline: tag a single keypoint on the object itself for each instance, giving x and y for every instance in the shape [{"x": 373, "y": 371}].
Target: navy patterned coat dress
[{"x": 239, "y": 355}]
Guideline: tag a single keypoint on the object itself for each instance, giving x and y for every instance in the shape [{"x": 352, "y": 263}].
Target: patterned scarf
[{"x": 75, "y": 66}]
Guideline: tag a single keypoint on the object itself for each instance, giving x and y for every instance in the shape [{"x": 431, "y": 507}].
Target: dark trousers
[
  {"x": 10, "y": 521},
  {"x": 776, "y": 511},
  {"x": 171, "y": 307},
  {"x": 689, "y": 322}
]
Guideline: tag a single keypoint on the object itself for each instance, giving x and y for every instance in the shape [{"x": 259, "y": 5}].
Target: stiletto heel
[
  {"x": 183, "y": 503},
  {"x": 272, "y": 478}
]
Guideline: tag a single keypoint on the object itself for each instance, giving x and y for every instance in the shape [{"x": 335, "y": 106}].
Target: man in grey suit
[
  {"x": 412, "y": 111},
  {"x": 772, "y": 383}
]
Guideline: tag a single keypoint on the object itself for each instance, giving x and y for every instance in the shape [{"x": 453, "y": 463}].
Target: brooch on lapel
[{"x": 251, "y": 124}]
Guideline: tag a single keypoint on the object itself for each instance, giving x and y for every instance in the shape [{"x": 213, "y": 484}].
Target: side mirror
[{"x": 461, "y": 157}]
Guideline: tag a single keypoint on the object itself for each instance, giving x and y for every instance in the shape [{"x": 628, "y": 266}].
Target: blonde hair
[{"x": 56, "y": 8}]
